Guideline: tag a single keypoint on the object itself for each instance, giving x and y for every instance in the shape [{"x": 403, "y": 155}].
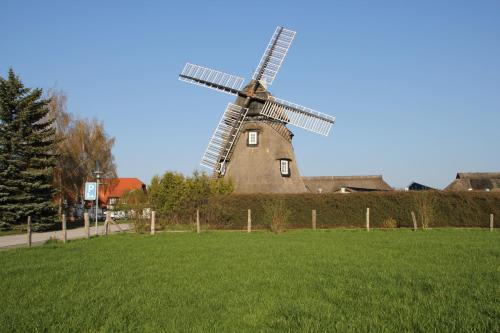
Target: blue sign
[{"x": 90, "y": 191}]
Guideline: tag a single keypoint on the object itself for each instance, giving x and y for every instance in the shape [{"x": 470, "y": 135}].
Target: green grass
[{"x": 302, "y": 281}]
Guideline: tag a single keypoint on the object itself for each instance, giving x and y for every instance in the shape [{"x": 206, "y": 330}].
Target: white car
[{"x": 118, "y": 215}]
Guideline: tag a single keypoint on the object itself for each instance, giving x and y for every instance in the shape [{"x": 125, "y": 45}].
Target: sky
[{"x": 414, "y": 85}]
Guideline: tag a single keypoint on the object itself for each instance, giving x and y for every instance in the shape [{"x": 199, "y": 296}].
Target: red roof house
[{"x": 110, "y": 190}]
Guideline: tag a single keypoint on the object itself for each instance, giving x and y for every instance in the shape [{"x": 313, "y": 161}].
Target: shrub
[
  {"x": 218, "y": 215},
  {"x": 4, "y": 226},
  {"x": 438, "y": 209},
  {"x": 389, "y": 223},
  {"x": 425, "y": 202},
  {"x": 276, "y": 214},
  {"x": 141, "y": 225},
  {"x": 41, "y": 227}
]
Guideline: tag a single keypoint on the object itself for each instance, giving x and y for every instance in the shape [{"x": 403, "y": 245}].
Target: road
[{"x": 41, "y": 237}]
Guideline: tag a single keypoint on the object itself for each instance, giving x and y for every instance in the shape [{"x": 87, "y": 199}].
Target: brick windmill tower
[{"x": 252, "y": 145}]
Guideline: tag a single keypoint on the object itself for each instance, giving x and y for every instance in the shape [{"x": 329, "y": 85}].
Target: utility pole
[{"x": 97, "y": 174}]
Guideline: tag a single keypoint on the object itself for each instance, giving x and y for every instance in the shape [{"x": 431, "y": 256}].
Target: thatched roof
[
  {"x": 476, "y": 181},
  {"x": 328, "y": 184}
]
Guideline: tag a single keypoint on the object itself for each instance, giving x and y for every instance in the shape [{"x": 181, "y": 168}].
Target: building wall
[{"x": 257, "y": 169}]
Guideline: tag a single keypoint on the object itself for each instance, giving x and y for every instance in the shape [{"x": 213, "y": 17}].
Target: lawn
[{"x": 380, "y": 281}]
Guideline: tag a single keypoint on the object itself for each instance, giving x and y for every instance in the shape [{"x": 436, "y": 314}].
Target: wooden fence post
[
  {"x": 86, "y": 221},
  {"x": 65, "y": 234},
  {"x": 414, "y": 219},
  {"x": 29, "y": 230},
  {"x": 198, "y": 229},
  {"x": 153, "y": 222},
  {"x": 491, "y": 222},
  {"x": 249, "y": 221},
  {"x": 367, "y": 219},
  {"x": 314, "y": 219},
  {"x": 106, "y": 222}
]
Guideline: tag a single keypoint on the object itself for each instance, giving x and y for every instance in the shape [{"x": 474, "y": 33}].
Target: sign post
[
  {"x": 91, "y": 189},
  {"x": 97, "y": 174}
]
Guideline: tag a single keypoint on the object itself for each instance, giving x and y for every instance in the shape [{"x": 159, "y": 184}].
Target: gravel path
[{"x": 41, "y": 237}]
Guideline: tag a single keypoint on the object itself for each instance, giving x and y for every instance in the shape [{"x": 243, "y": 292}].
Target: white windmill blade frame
[
  {"x": 274, "y": 55},
  {"x": 297, "y": 115},
  {"x": 211, "y": 78},
  {"x": 223, "y": 138}
]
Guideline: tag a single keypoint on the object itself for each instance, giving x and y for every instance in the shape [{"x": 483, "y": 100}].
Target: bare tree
[{"x": 81, "y": 142}]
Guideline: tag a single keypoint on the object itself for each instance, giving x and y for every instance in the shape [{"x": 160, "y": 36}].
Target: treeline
[{"x": 46, "y": 154}]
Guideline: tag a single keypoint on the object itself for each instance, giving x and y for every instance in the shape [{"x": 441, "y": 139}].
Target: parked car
[
  {"x": 100, "y": 216},
  {"x": 118, "y": 215}
]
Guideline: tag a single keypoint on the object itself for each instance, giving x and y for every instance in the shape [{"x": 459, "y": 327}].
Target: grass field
[{"x": 303, "y": 281}]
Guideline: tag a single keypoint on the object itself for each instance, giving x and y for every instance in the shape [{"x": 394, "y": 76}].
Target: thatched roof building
[
  {"x": 475, "y": 181},
  {"x": 329, "y": 184}
]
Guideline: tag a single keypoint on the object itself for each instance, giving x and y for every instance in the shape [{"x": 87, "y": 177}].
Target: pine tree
[
  {"x": 26, "y": 154},
  {"x": 10, "y": 167}
]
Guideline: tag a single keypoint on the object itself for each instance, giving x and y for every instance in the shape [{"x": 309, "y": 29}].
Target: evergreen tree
[{"x": 26, "y": 154}]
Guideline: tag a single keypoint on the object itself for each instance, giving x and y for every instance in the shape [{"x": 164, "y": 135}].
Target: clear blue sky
[{"x": 415, "y": 86}]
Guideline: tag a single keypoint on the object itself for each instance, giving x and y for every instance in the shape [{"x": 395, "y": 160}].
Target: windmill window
[
  {"x": 253, "y": 138},
  {"x": 285, "y": 168}
]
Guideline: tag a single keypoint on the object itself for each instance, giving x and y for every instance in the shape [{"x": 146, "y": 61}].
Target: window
[
  {"x": 284, "y": 168},
  {"x": 252, "y": 138}
]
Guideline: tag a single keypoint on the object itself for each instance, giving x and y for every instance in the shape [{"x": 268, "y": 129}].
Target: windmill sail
[
  {"x": 226, "y": 132},
  {"x": 298, "y": 115},
  {"x": 222, "y": 144},
  {"x": 274, "y": 55},
  {"x": 211, "y": 78}
]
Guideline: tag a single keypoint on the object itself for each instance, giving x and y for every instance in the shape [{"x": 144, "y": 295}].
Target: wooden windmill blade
[
  {"x": 223, "y": 138},
  {"x": 274, "y": 55},
  {"x": 211, "y": 78},
  {"x": 297, "y": 115}
]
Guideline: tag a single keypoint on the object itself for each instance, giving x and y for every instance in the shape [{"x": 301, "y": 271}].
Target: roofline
[
  {"x": 342, "y": 177},
  {"x": 468, "y": 175}
]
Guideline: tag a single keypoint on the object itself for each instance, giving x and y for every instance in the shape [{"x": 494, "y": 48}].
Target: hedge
[{"x": 440, "y": 209}]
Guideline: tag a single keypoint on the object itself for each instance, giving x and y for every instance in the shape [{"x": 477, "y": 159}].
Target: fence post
[
  {"x": 153, "y": 222},
  {"x": 314, "y": 219},
  {"x": 491, "y": 222},
  {"x": 249, "y": 221},
  {"x": 367, "y": 219},
  {"x": 414, "y": 219},
  {"x": 198, "y": 229},
  {"x": 87, "y": 224},
  {"x": 29, "y": 230},
  {"x": 106, "y": 222},
  {"x": 65, "y": 234},
  {"x": 96, "y": 224}
]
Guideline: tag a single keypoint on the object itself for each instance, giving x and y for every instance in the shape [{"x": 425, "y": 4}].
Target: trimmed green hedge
[{"x": 440, "y": 209}]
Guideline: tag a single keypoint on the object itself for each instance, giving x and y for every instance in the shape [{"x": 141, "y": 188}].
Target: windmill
[{"x": 251, "y": 144}]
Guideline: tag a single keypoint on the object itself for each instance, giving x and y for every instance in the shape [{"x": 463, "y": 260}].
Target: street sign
[{"x": 90, "y": 190}]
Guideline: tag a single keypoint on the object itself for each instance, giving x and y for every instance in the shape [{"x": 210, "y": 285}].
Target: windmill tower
[{"x": 251, "y": 145}]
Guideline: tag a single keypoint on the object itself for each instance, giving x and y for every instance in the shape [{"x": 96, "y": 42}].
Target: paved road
[{"x": 41, "y": 237}]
